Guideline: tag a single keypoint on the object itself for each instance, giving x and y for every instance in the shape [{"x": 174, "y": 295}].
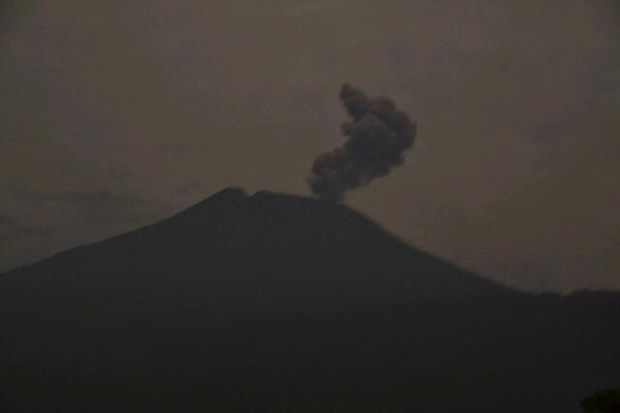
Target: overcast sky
[{"x": 114, "y": 114}]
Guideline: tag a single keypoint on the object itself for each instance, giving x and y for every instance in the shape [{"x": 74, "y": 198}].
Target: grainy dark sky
[{"x": 114, "y": 114}]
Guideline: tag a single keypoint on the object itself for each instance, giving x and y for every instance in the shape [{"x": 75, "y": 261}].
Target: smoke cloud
[{"x": 378, "y": 136}]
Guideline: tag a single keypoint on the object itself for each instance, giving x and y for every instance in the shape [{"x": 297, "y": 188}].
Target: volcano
[{"x": 281, "y": 303}]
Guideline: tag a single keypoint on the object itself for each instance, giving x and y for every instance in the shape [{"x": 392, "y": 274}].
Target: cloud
[
  {"x": 378, "y": 136},
  {"x": 13, "y": 229}
]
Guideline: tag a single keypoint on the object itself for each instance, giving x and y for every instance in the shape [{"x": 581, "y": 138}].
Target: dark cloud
[
  {"x": 12, "y": 229},
  {"x": 85, "y": 199},
  {"x": 91, "y": 207},
  {"x": 378, "y": 136},
  {"x": 34, "y": 223},
  {"x": 7, "y": 9}
]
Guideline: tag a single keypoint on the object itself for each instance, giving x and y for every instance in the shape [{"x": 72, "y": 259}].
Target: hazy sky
[{"x": 114, "y": 114}]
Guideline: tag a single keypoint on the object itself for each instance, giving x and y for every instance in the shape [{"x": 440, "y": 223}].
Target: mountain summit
[
  {"x": 265, "y": 252},
  {"x": 281, "y": 303}
]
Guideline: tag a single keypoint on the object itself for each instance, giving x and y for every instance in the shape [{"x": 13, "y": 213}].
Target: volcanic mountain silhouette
[{"x": 280, "y": 303}]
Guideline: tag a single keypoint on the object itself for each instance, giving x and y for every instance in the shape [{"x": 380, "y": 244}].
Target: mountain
[{"x": 280, "y": 303}]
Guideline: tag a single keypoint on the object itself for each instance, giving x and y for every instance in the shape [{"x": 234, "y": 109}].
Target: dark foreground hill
[{"x": 276, "y": 303}]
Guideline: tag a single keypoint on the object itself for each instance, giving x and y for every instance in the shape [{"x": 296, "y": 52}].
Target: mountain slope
[
  {"x": 282, "y": 303},
  {"x": 231, "y": 244}
]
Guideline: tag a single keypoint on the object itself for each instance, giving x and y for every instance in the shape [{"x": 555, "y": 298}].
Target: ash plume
[{"x": 378, "y": 136}]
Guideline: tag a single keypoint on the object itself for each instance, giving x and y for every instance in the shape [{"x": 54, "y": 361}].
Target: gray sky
[{"x": 114, "y": 114}]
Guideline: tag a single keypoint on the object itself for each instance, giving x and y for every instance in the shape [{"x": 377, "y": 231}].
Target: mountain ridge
[
  {"x": 234, "y": 199},
  {"x": 264, "y": 224},
  {"x": 282, "y": 303}
]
